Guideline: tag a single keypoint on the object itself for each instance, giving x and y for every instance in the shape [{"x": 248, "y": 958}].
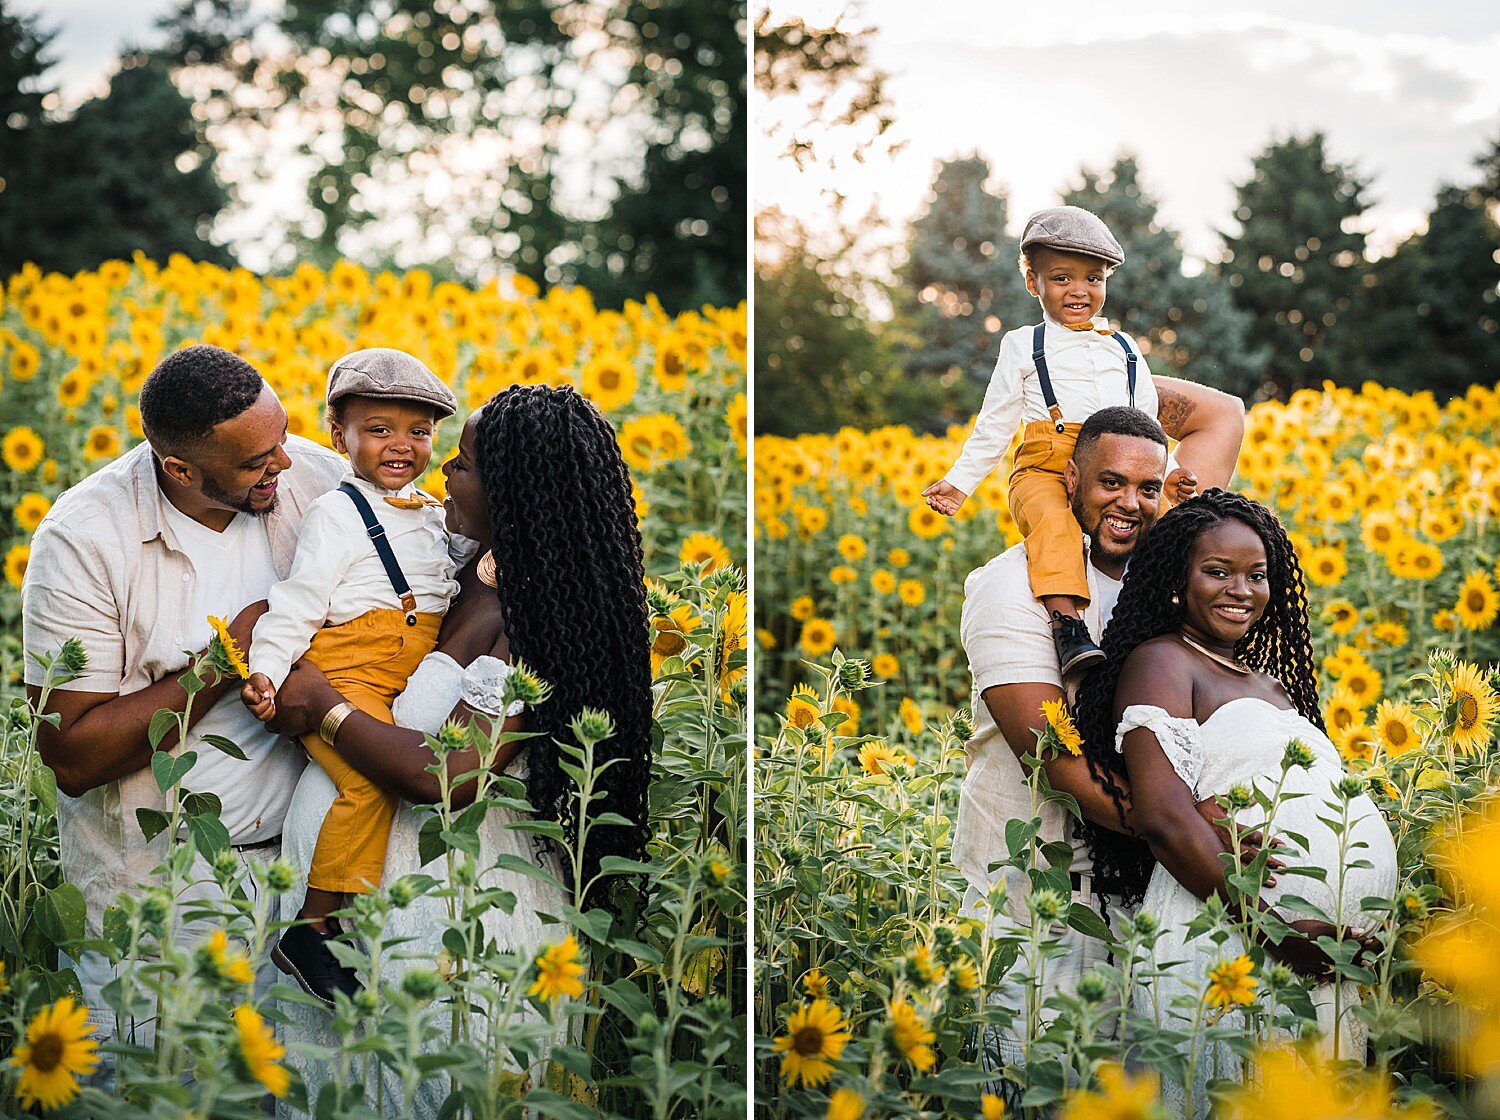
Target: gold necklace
[
  {"x": 485, "y": 570},
  {"x": 1234, "y": 666}
]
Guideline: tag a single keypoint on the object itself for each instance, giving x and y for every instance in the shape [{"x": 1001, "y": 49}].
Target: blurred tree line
[
  {"x": 600, "y": 144},
  {"x": 1292, "y": 299}
]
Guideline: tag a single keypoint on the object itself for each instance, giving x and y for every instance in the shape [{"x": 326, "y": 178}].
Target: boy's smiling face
[
  {"x": 1070, "y": 285},
  {"x": 388, "y": 442}
]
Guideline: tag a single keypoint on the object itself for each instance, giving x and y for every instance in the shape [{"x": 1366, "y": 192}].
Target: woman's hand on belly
[{"x": 1302, "y": 954}]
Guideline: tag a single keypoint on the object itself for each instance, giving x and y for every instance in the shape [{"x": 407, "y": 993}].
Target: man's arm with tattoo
[{"x": 1207, "y": 424}]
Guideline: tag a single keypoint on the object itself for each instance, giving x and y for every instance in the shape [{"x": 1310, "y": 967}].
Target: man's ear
[
  {"x": 1070, "y": 478},
  {"x": 179, "y": 470}
]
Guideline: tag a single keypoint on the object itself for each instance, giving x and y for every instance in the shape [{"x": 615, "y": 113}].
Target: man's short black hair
[
  {"x": 191, "y": 391},
  {"x": 1117, "y": 420}
]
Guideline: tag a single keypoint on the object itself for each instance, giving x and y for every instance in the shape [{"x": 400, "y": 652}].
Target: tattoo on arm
[{"x": 1173, "y": 410}]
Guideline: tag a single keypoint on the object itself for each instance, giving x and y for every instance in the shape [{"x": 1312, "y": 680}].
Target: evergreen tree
[
  {"x": 960, "y": 287},
  {"x": 1297, "y": 266},
  {"x": 126, "y": 172},
  {"x": 1188, "y": 325}
]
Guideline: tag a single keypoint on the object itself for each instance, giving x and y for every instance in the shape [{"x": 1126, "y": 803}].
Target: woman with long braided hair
[
  {"x": 538, "y": 481},
  {"x": 1209, "y": 676}
]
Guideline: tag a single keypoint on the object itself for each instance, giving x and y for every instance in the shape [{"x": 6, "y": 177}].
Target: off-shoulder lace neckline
[{"x": 1222, "y": 707}]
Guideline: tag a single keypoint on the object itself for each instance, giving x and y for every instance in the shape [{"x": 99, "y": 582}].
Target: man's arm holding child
[{"x": 1208, "y": 426}]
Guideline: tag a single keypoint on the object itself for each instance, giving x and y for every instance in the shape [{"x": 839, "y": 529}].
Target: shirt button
[
  {"x": 186, "y": 577},
  {"x": 178, "y": 639}
]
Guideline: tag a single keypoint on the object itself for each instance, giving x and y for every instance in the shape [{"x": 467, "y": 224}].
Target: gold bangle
[{"x": 334, "y": 720}]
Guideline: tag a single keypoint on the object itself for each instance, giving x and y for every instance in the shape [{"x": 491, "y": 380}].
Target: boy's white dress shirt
[
  {"x": 337, "y": 574},
  {"x": 1087, "y": 370}
]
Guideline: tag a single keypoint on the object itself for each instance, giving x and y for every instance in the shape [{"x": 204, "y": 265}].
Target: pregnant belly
[{"x": 1346, "y": 873}]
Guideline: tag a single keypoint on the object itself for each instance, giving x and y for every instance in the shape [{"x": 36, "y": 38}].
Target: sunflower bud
[
  {"x": 1046, "y": 905},
  {"x": 1411, "y": 906},
  {"x": 225, "y": 864},
  {"x": 854, "y": 675},
  {"x": 72, "y": 657},
  {"x": 422, "y": 983},
  {"x": 659, "y": 599},
  {"x": 1144, "y": 924},
  {"x": 963, "y": 725},
  {"x": 1239, "y": 796},
  {"x": 1297, "y": 753},
  {"x": 592, "y": 725},
  {"x": 1092, "y": 988},
  {"x": 451, "y": 737},
  {"x": 156, "y": 904},
  {"x": 366, "y": 1001},
  {"x": 403, "y": 893},
  {"x": 1351, "y": 786},
  {"x": 280, "y": 876},
  {"x": 1278, "y": 975},
  {"x": 524, "y": 685}
]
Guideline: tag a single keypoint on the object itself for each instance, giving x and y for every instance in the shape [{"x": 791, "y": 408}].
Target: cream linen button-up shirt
[
  {"x": 1008, "y": 640},
  {"x": 106, "y": 569},
  {"x": 1087, "y": 370}
]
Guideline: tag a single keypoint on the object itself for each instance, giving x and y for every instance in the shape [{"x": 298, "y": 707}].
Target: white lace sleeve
[
  {"x": 1180, "y": 739},
  {"x": 484, "y": 686}
]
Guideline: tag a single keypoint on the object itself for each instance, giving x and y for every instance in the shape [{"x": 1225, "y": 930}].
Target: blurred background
[
  {"x": 1302, "y": 196},
  {"x": 598, "y": 144}
]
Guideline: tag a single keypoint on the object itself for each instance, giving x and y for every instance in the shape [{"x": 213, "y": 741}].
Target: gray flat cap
[
  {"x": 392, "y": 375},
  {"x": 1073, "y": 230}
]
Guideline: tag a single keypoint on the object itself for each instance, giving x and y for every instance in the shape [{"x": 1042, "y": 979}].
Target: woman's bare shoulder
[{"x": 1158, "y": 669}]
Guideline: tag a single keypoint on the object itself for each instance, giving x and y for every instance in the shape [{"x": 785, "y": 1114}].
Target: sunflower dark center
[
  {"x": 47, "y": 1053},
  {"x": 808, "y": 1041},
  {"x": 1468, "y": 712}
]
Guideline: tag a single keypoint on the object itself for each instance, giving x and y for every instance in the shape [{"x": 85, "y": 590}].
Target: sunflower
[
  {"x": 1325, "y": 566},
  {"x": 912, "y": 592},
  {"x": 1230, "y": 984},
  {"x": 733, "y": 636},
  {"x": 802, "y": 608},
  {"x": 877, "y": 759},
  {"x": 852, "y": 548},
  {"x": 24, "y": 361},
  {"x": 223, "y": 965},
  {"x": 1478, "y": 602},
  {"x": 22, "y": 449},
  {"x": 1389, "y": 633},
  {"x": 1060, "y": 733},
  {"x": 1363, "y": 683},
  {"x": 30, "y": 510},
  {"x": 885, "y": 665},
  {"x": 850, "y": 710},
  {"x": 222, "y": 643},
  {"x": 1472, "y": 706},
  {"x": 705, "y": 549},
  {"x": 1396, "y": 728},
  {"x": 1343, "y": 709},
  {"x": 926, "y": 522},
  {"x": 815, "y": 984},
  {"x": 842, "y": 574},
  {"x": 74, "y": 388},
  {"x": 671, "y": 367},
  {"x": 911, "y": 1036},
  {"x": 845, "y": 1104},
  {"x": 101, "y": 444},
  {"x": 802, "y": 707},
  {"x": 609, "y": 381},
  {"x": 1341, "y": 616},
  {"x": 898, "y": 558},
  {"x": 260, "y": 1052},
  {"x": 1355, "y": 743},
  {"x": 883, "y": 580},
  {"x": 1414, "y": 559},
  {"x": 737, "y": 417},
  {"x": 1119, "y": 1097},
  {"x": 818, "y": 637},
  {"x": 816, "y": 1035},
  {"x": 15, "y": 563},
  {"x": 911, "y": 715},
  {"x": 57, "y": 1052},
  {"x": 991, "y": 1107},
  {"x": 558, "y": 972}
]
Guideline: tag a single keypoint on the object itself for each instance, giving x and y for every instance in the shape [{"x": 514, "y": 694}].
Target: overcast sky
[{"x": 1408, "y": 94}]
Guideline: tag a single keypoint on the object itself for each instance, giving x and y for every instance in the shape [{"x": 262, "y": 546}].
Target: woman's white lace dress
[
  {"x": 1244, "y": 741},
  {"x": 434, "y": 688}
]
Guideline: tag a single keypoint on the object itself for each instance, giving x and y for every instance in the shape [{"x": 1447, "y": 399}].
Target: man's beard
[
  {"x": 215, "y": 493},
  {"x": 1097, "y": 546}
]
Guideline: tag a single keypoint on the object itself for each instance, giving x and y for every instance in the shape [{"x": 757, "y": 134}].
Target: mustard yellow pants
[
  {"x": 1040, "y": 508},
  {"x": 368, "y": 660}
]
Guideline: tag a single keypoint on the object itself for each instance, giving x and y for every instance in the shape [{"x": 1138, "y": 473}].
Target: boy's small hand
[
  {"x": 1182, "y": 484},
  {"x": 944, "y": 497},
  {"x": 259, "y": 695}
]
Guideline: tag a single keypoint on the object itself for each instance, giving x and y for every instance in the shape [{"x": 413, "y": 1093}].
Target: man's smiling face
[
  {"x": 1115, "y": 487},
  {"x": 239, "y": 461}
]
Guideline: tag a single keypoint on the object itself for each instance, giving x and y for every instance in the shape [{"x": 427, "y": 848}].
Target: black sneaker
[
  {"x": 303, "y": 954},
  {"x": 1075, "y": 649}
]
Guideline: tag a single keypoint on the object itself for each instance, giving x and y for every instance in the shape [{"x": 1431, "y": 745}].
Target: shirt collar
[
  {"x": 1099, "y": 322},
  {"x": 379, "y": 491}
]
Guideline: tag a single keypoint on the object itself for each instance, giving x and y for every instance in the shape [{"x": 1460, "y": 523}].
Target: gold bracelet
[{"x": 334, "y": 720}]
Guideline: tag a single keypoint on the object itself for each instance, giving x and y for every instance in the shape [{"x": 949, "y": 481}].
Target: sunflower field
[
  {"x": 874, "y": 997},
  {"x": 638, "y": 1018}
]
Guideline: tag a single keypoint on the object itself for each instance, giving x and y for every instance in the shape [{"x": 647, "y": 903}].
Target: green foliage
[
  {"x": 125, "y": 172},
  {"x": 1297, "y": 264}
]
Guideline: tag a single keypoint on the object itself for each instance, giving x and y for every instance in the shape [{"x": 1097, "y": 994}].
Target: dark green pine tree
[
  {"x": 1190, "y": 323},
  {"x": 960, "y": 288},
  {"x": 126, "y": 172},
  {"x": 1297, "y": 265},
  {"x": 23, "y": 63}
]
